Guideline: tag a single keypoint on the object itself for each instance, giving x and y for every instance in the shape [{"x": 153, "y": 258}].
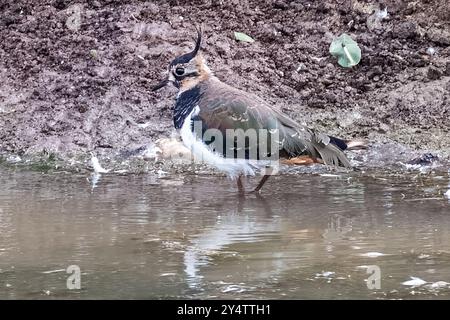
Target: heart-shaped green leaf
[
  {"x": 346, "y": 50},
  {"x": 243, "y": 37}
]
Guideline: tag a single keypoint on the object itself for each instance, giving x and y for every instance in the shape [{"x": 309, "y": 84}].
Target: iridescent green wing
[{"x": 226, "y": 108}]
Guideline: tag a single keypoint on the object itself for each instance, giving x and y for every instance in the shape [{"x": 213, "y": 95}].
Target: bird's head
[{"x": 187, "y": 70}]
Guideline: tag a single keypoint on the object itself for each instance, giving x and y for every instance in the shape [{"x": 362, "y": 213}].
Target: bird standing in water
[{"x": 206, "y": 104}]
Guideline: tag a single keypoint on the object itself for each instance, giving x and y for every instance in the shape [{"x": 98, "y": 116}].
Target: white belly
[{"x": 202, "y": 153}]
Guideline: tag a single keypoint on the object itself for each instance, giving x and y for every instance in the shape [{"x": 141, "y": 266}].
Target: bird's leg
[
  {"x": 240, "y": 185},
  {"x": 261, "y": 183}
]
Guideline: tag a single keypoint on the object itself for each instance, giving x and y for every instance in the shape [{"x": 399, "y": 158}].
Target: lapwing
[{"x": 205, "y": 103}]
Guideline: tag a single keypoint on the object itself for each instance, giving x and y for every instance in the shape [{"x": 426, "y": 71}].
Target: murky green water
[{"x": 307, "y": 236}]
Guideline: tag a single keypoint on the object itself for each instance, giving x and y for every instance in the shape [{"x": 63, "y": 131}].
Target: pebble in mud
[
  {"x": 433, "y": 73},
  {"x": 406, "y": 30},
  {"x": 447, "y": 68},
  {"x": 424, "y": 159}
]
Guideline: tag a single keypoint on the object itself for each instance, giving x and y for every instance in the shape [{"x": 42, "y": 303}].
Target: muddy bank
[{"x": 75, "y": 75}]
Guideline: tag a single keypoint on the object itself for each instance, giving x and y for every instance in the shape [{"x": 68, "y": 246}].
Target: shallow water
[{"x": 306, "y": 236}]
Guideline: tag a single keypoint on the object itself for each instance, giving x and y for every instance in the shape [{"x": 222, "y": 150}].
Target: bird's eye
[{"x": 179, "y": 71}]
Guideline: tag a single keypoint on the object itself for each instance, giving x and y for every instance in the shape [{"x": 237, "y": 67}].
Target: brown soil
[{"x": 69, "y": 89}]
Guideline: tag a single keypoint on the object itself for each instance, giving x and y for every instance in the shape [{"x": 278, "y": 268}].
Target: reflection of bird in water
[
  {"x": 337, "y": 228},
  {"x": 232, "y": 227},
  {"x": 251, "y": 244}
]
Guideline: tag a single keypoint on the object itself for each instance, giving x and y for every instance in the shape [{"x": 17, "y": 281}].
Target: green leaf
[
  {"x": 346, "y": 50},
  {"x": 239, "y": 36}
]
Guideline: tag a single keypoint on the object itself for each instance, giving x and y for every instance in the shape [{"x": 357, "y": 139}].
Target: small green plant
[
  {"x": 239, "y": 36},
  {"x": 346, "y": 50}
]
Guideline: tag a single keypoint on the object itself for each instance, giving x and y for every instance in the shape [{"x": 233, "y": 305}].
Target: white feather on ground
[
  {"x": 97, "y": 166},
  {"x": 439, "y": 285},
  {"x": 414, "y": 282},
  {"x": 447, "y": 194}
]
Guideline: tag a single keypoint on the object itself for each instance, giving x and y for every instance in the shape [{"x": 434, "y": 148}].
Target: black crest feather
[{"x": 185, "y": 58}]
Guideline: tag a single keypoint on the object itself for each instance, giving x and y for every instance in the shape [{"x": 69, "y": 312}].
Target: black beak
[{"x": 161, "y": 84}]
